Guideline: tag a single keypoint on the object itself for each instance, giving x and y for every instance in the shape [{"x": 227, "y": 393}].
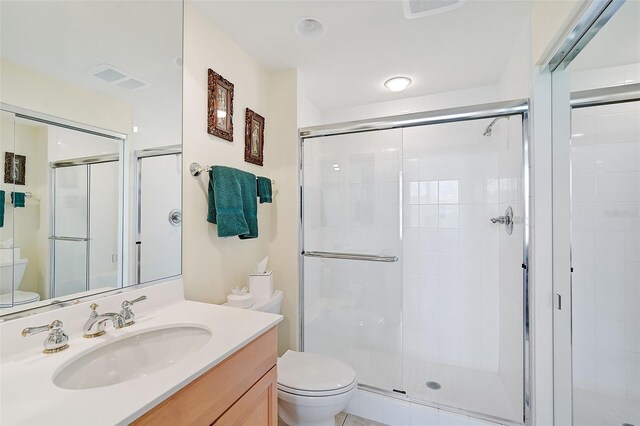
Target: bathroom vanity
[
  {"x": 181, "y": 362},
  {"x": 241, "y": 390}
]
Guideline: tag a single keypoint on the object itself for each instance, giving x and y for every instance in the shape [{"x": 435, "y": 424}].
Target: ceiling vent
[
  {"x": 420, "y": 8},
  {"x": 113, "y": 75}
]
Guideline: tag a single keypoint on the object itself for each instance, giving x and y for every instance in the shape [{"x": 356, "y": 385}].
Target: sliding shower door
[
  {"x": 70, "y": 230},
  {"x": 463, "y": 310},
  {"x": 85, "y": 215},
  {"x": 352, "y": 241},
  {"x": 414, "y": 262}
]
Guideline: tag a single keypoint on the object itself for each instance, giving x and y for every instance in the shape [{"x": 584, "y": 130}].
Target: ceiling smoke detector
[
  {"x": 420, "y": 8},
  {"x": 113, "y": 75},
  {"x": 309, "y": 28}
]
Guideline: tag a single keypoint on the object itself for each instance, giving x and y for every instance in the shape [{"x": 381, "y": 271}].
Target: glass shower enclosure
[{"x": 414, "y": 255}]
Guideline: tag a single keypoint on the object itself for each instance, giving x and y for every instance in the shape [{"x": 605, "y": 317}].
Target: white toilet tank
[
  {"x": 11, "y": 271},
  {"x": 271, "y": 305}
]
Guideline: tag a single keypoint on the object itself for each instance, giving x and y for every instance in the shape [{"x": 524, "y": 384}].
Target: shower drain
[{"x": 433, "y": 385}]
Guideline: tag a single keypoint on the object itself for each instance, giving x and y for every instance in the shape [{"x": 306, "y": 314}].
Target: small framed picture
[
  {"x": 254, "y": 138},
  {"x": 220, "y": 109},
  {"x": 15, "y": 168}
]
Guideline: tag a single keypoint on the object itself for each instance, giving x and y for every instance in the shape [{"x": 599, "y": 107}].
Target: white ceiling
[
  {"x": 64, "y": 39},
  {"x": 617, "y": 43},
  {"x": 366, "y": 42}
]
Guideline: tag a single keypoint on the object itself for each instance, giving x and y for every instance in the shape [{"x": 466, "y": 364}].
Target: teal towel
[
  {"x": 264, "y": 189},
  {"x": 1, "y": 208},
  {"x": 17, "y": 199},
  {"x": 233, "y": 204}
]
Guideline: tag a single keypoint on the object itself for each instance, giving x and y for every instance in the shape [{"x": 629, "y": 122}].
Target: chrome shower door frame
[{"x": 451, "y": 115}]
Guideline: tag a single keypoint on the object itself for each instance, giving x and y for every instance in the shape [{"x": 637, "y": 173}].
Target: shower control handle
[
  {"x": 175, "y": 217},
  {"x": 501, "y": 219},
  {"x": 506, "y": 220}
]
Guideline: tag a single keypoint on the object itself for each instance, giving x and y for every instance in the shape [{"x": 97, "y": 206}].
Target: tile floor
[{"x": 344, "y": 419}]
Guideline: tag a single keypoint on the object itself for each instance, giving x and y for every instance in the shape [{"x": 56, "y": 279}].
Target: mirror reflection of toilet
[
  {"x": 312, "y": 388},
  {"x": 11, "y": 274}
]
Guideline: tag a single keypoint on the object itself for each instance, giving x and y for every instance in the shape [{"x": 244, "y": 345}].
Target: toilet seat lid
[
  {"x": 310, "y": 372},
  {"x": 19, "y": 297}
]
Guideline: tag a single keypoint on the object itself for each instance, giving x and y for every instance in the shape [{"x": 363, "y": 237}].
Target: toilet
[
  {"x": 312, "y": 388},
  {"x": 11, "y": 273}
]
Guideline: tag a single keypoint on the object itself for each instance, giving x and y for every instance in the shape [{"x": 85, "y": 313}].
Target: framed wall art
[
  {"x": 220, "y": 108},
  {"x": 254, "y": 138},
  {"x": 15, "y": 168}
]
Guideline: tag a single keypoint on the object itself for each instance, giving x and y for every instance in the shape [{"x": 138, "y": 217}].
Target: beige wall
[
  {"x": 213, "y": 265},
  {"x": 283, "y": 142},
  {"x": 27, "y": 89},
  {"x": 28, "y": 226}
]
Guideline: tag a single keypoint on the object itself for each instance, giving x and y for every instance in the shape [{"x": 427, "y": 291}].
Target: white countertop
[{"x": 28, "y": 395}]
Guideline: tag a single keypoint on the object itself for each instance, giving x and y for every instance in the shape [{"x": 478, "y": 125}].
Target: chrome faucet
[
  {"x": 96, "y": 323},
  {"x": 57, "y": 340}
]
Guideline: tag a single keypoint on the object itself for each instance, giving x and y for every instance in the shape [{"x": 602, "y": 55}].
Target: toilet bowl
[{"x": 312, "y": 388}]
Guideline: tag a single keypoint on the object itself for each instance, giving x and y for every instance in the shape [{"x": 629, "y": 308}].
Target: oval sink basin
[{"x": 131, "y": 357}]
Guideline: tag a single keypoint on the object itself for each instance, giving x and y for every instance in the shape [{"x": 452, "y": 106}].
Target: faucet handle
[
  {"x": 127, "y": 313},
  {"x": 56, "y": 341},
  {"x": 129, "y": 303}
]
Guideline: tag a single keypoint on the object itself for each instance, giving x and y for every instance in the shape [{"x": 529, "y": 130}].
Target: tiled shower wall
[
  {"x": 605, "y": 234},
  {"x": 462, "y": 274},
  {"x": 455, "y": 181}
]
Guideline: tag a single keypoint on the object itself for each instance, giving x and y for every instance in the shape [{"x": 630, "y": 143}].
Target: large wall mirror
[{"x": 90, "y": 147}]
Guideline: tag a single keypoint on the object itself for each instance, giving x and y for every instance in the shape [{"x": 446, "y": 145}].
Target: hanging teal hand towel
[
  {"x": 233, "y": 203},
  {"x": 264, "y": 189},
  {"x": 1, "y": 208},
  {"x": 17, "y": 199}
]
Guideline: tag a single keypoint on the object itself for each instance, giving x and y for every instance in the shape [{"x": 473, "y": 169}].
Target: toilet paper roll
[{"x": 240, "y": 300}]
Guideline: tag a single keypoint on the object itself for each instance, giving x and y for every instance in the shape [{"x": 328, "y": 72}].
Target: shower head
[{"x": 489, "y": 129}]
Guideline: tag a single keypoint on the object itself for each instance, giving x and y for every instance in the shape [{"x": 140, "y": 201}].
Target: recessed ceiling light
[
  {"x": 397, "y": 84},
  {"x": 309, "y": 28}
]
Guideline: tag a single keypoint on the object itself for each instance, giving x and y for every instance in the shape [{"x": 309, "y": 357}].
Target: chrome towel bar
[
  {"x": 195, "y": 169},
  {"x": 350, "y": 256}
]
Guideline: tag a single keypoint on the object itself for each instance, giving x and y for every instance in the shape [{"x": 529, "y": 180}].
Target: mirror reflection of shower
[
  {"x": 65, "y": 236},
  {"x": 489, "y": 130},
  {"x": 159, "y": 216}
]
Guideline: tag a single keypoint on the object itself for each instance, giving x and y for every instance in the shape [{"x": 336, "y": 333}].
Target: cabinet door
[{"x": 257, "y": 407}]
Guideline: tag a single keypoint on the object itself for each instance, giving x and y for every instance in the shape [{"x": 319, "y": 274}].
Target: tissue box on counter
[{"x": 261, "y": 285}]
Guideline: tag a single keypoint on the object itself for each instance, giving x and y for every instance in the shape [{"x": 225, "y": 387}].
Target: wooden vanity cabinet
[{"x": 242, "y": 390}]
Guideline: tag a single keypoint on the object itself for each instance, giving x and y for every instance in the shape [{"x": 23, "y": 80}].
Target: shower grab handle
[
  {"x": 350, "y": 256},
  {"x": 76, "y": 239}
]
